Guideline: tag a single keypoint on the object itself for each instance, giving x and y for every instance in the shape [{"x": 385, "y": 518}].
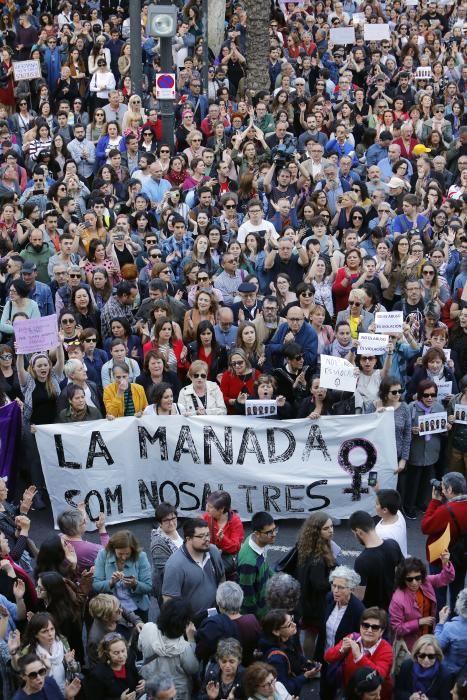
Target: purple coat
[{"x": 404, "y": 611}]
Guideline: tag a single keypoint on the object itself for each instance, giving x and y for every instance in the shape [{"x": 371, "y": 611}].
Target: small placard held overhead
[
  {"x": 436, "y": 548},
  {"x": 165, "y": 86},
  {"x": 340, "y": 36},
  {"x": 376, "y": 32},
  {"x": 423, "y": 73}
]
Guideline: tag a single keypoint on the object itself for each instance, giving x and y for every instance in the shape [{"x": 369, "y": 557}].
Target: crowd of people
[{"x": 191, "y": 277}]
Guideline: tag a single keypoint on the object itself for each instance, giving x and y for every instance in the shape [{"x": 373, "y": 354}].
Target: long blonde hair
[{"x": 49, "y": 386}]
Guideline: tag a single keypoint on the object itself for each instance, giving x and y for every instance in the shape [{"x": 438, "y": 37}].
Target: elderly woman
[
  {"x": 228, "y": 622},
  {"x": 413, "y": 605},
  {"x": 165, "y": 648},
  {"x": 201, "y": 397},
  {"x": 108, "y": 616},
  {"x": 122, "y": 398},
  {"x": 72, "y": 523},
  {"x": 124, "y": 570},
  {"x": 342, "y": 614},
  {"x": 226, "y": 529},
  {"x": 358, "y": 319},
  {"x": 366, "y": 648},
  {"x": 224, "y": 676},
  {"x": 424, "y": 675},
  {"x": 452, "y": 635},
  {"x": 77, "y": 409},
  {"x": 165, "y": 540}
]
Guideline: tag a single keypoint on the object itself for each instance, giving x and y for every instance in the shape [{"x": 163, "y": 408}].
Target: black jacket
[
  {"x": 439, "y": 689},
  {"x": 350, "y": 622},
  {"x": 102, "y": 684},
  {"x": 219, "y": 361}
]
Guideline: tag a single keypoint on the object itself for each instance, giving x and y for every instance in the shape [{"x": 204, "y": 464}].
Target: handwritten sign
[
  {"x": 460, "y": 413},
  {"x": 423, "y": 73},
  {"x": 436, "y": 548},
  {"x": 337, "y": 373},
  {"x": 389, "y": 321},
  {"x": 376, "y": 32},
  {"x": 26, "y": 70},
  {"x": 36, "y": 334},
  {"x": 372, "y": 343},
  {"x": 340, "y": 36},
  {"x": 444, "y": 389},
  {"x": 432, "y": 423},
  {"x": 256, "y": 408}
]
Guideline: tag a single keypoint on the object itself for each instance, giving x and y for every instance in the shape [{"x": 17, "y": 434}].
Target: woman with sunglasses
[
  {"x": 414, "y": 481},
  {"x": 202, "y": 397},
  {"x": 365, "y": 649},
  {"x": 424, "y": 675},
  {"x": 37, "y": 682},
  {"x": 96, "y": 127},
  {"x": 238, "y": 380},
  {"x": 148, "y": 143},
  {"x": 433, "y": 288},
  {"x": 413, "y": 606}
]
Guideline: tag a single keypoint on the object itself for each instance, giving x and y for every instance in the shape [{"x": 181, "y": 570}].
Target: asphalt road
[{"x": 288, "y": 529}]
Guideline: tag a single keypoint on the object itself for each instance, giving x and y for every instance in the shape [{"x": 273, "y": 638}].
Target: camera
[{"x": 436, "y": 484}]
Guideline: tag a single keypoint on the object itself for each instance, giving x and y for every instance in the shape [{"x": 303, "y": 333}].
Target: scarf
[
  {"x": 338, "y": 350},
  {"x": 426, "y": 410},
  {"x": 423, "y": 677},
  {"x": 435, "y": 377},
  {"x": 78, "y": 415}
]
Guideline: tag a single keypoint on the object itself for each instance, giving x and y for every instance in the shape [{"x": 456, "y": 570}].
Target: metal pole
[
  {"x": 205, "y": 72},
  {"x": 136, "y": 67},
  {"x": 167, "y": 106}
]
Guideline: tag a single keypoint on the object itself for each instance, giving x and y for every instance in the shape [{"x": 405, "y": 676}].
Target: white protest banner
[
  {"x": 376, "y": 32},
  {"x": 432, "y": 423},
  {"x": 36, "y": 334},
  {"x": 423, "y": 73},
  {"x": 257, "y": 408},
  {"x": 372, "y": 343},
  {"x": 26, "y": 70},
  {"x": 340, "y": 36},
  {"x": 337, "y": 373},
  {"x": 460, "y": 413},
  {"x": 290, "y": 468},
  {"x": 389, "y": 321},
  {"x": 444, "y": 389}
]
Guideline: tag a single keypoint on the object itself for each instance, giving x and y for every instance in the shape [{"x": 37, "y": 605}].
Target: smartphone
[{"x": 372, "y": 478}]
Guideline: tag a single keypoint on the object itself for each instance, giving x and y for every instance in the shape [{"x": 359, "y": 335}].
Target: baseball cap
[
  {"x": 396, "y": 182},
  {"x": 29, "y": 266},
  {"x": 420, "y": 148}
]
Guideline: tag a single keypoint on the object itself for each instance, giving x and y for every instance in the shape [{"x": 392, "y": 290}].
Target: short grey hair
[
  {"x": 456, "y": 481},
  {"x": 229, "y": 647},
  {"x": 348, "y": 574},
  {"x": 71, "y": 366},
  {"x": 461, "y": 604},
  {"x": 282, "y": 592},
  {"x": 229, "y": 597},
  {"x": 69, "y": 522},
  {"x": 162, "y": 681}
]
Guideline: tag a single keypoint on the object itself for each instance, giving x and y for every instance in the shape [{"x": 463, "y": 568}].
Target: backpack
[{"x": 458, "y": 550}]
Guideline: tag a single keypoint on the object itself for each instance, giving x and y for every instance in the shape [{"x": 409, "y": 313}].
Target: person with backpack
[{"x": 448, "y": 505}]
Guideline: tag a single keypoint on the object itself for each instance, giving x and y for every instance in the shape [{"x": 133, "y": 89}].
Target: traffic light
[{"x": 162, "y": 21}]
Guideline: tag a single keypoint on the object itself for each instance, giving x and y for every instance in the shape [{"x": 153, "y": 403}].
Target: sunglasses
[
  {"x": 6, "y": 356},
  {"x": 428, "y": 272},
  {"x": 355, "y": 303},
  {"x": 155, "y": 257},
  {"x": 90, "y": 340},
  {"x": 357, "y": 216},
  {"x": 203, "y": 279},
  {"x": 430, "y": 657},
  {"x": 409, "y": 579},
  {"x": 41, "y": 672},
  {"x": 395, "y": 391},
  {"x": 429, "y": 396},
  {"x": 237, "y": 363},
  {"x": 149, "y": 133},
  {"x": 229, "y": 206},
  {"x": 368, "y": 626},
  {"x": 298, "y": 357},
  {"x": 200, "y": 375},
  {"x": 73, "y": 276},
  {"x": 306, "y": 294},
  {"x": 68, "y": 320}
]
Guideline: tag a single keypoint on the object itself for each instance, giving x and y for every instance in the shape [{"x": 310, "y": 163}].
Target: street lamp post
[
  {"x": 136, "y": 67},
  {"x": 162, "y": 23}
]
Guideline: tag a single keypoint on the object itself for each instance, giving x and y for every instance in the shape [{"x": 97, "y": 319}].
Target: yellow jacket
[{"x": 114, "y": 404}]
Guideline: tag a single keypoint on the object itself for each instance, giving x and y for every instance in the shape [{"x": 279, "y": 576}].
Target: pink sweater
[
  {"x": 87, "y": 551},
  {"x": 404, "y": 611}
]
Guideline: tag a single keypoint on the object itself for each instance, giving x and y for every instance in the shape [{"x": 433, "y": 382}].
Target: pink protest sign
[{"x": 36, "y": 334}]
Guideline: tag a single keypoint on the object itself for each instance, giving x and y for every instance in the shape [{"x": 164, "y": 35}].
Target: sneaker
[{"x": 410, "y": 514}]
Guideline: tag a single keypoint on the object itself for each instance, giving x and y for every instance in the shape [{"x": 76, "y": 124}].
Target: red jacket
[
  {"x": 437, "y": 517},
  {"x": 233, "y": 533},
  {"x": 231, "y": 385},
  {"x": 381, "y": 661}
]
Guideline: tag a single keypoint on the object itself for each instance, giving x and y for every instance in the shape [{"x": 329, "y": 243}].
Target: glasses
[
  {"x": 439, "y": 111},
  {"x": 428, "y": 272},
  {"x": 33, "y": 674},
  {"x": 306, "y": 294},
  {"x": 149, "y": 133},
  {"x": 68, "y": 320},
  {"x": 270, "y": 533},
  {"x": 298, "y": 357},
  {"x": 357, "y": 216},
  {"x": 204, "y": 278},
  {"x": 199, "y": 375},
  {"x": 169, "y": 520},
  {"x": 229, "y": 206},
  {"x": 430, "y": 657},
  {"x": 295, "y": 319},
  {"x": 195, "y": 140},
  {"x": 338, "y": 588},
  {"x": 202, "y": 537},
  {"x": 90, "y": 340},
  {"x": 268, "y": 684},
  {"x": 394, "y": 392},
  {"x": 355, "y": 303},
  {"x": 6, "y": 356},
  {"x": 409, "y": 579},
  {"x": 369, "y": 626},
  {"x": 22, "y": 103},
  {"x": 429, "y": 396},
  {"x": 164, "y": 150},
  {"x": 75, "y": 276},
  {"x": 237, "y": 363}
]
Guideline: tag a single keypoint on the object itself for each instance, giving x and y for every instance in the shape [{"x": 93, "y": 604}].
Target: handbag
[
  {"x": 400, "y": 652},
  {"x": 288, "y": 563}
]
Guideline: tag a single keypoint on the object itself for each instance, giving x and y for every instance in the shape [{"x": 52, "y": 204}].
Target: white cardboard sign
[
  {"x": 372, "y": 343},
  {"x": 337, "y": 373},
  {"x": 257, "y": 408},
  {"x": 376, "y": 32},
  {"x": 444, "y": 389},
  {"x": 433, "y": 423},
  {"x": 389, "y": 321},
  {"x": 340, "y": 36}
]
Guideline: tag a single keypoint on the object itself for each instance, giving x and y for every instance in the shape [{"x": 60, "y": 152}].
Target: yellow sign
[{"x": 436, "y": 548}]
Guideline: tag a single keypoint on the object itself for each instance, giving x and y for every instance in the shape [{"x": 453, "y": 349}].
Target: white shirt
[
  {"x": 332, "y": 623},
  {"x": 394, "y": 531},
  {"x": 264, "y": 226}
]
